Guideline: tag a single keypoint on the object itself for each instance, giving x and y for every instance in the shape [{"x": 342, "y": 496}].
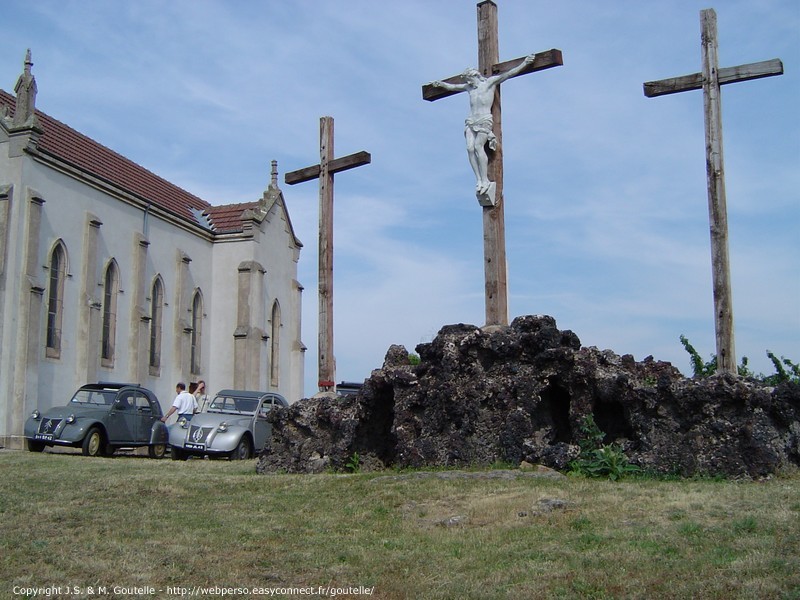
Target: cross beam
[
  {"x": 710, "y": 80},
  {"x": 494, "y": 240},
  {"x": 767, "y": 68},
  {"x": 324, "y": 171},
  {"x": 543, "y": 60},
  {"x": 337, "y": 165}
]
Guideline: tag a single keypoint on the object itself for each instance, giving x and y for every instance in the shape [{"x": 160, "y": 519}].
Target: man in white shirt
[{"x": 185, "y": 404}]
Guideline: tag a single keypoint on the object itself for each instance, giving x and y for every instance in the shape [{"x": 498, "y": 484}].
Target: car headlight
[
  {"x": 183, "y": 422},
  {"x": 223, "y": 427},
  {"x": 36, "y": 414},
  {"x": 70, "y": 419}
]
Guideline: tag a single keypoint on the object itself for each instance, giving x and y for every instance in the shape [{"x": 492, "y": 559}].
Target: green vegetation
[
  {"x": 781, "y": 374},
  {"x": 354, "y": 463},
  {"x": 133, "y": 521},
  {"x": 785, "y": 369},
  {"x": 598, "y": 459},
  {"x": 699, "y": 367}
]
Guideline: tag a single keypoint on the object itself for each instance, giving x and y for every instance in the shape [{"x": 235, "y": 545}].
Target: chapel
[{"x": 108, "y": 272}]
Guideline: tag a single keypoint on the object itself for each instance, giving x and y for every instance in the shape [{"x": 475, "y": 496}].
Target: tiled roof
[
  {"x": 227, "y": 219},
  {"x": 85, "y": 154}
]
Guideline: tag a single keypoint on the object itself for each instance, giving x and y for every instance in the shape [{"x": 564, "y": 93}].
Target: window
[
  {"x": 55, "y": 299},
  {"x": 156, "y": 310},
  {"x": 197, "y": 330},
  {"x": 142, "y": 404},
  {"x": 110, "y": 291},
  {"x": 266, "y": 406},
  {"x": 275, "y": 346},
  {"x": 124, "y": 401}
]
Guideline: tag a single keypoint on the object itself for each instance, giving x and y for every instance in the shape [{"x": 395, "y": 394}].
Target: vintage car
[
  {"x": 100, "y": 418},
  {"x": 234, "y": 426}
]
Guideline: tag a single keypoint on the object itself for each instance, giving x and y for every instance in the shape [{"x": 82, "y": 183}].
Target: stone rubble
[{"x": 519, "y": 394}]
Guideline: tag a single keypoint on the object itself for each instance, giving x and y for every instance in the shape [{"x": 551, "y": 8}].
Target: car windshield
[
  {"x": 231, "y": 404},
  {"x": 105, "y": 397}
]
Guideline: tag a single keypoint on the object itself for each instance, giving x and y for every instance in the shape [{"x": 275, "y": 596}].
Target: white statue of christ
[{"x": 479, "y": 124}]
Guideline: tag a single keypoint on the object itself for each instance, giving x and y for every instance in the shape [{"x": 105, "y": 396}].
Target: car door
[
  {"x": 145, "y": 417},
  {"x": 262, "y": 429},
  {"x": 121, "y": 420}
]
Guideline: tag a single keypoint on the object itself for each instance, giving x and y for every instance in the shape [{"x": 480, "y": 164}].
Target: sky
[{"x": 606, "y": 205}]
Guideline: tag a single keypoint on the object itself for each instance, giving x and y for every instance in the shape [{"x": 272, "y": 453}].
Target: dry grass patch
[{"x": 127, "y": 521}]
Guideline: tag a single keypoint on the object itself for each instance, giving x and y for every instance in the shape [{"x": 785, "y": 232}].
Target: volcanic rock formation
[{"x": 520, "y": 393}]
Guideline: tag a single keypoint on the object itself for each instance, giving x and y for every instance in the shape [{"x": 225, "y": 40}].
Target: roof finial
[
  {"x": 274, "y": 181},
  {"x": 24, "y": 114}
]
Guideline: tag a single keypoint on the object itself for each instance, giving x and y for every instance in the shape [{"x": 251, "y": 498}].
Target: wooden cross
[
  {"x": 710, "y": 80},
  {"x": 324, "y": 171},
  {"x": 494, "y": 236}
]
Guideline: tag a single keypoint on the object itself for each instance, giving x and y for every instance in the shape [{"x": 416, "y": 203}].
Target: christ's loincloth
[{"x": 482, "y": 125}]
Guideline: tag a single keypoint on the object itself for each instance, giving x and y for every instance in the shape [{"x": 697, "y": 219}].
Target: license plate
[
  {"x": 45, "y": 437},
  {"x": 191, "y": 446}
]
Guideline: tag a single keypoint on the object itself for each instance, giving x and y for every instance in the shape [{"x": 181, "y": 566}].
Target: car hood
[
  {"x": 214, "y": 419},
  {"x": 79, "y": 410}
]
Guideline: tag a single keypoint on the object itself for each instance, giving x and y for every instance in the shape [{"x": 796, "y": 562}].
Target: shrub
[
  {"x": 354, "y": 463},
  {"x": 785, "y": 369},
  {"x": 781, "y": 374},
  {"x": 598, "y": 459},
  {"x": 699, "y": 368}
]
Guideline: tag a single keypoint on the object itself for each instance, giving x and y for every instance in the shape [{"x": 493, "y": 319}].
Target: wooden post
[
  {"x": 710, "y": 80},
  {"x": 717, "y": 202},
  {"x": 494, "y": 232},
  {"x": 494, "y": 220},
  {"x": 325, "y": 171},
  {"x": 327, "y": 360}
]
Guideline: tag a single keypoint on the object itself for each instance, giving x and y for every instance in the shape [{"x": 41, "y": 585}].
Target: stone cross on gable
[
  {"x": 484, "y": 129},
  {"x": 324, "y": 171},
  {"x": 710, "y": 80}
]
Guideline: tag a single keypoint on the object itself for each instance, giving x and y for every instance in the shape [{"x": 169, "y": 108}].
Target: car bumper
[
  {"x": 51, "y": 441},
  {"x": 65, "y": 434},
  {"x": 208, "y": 441}
]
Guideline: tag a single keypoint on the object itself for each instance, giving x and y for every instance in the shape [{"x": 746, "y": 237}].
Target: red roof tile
[
  {"x": 85, "y": 154},
  {"x": 227, "y": 219}
]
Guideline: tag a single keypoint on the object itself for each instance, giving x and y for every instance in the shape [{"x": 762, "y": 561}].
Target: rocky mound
[{"x": 520, "y": 393}]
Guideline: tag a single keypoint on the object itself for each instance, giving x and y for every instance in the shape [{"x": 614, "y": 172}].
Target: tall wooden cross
[
  {"x": 710, "y": 80},
  {"x": 324, "y": 171},
  {"x": 494, "y": 236}
]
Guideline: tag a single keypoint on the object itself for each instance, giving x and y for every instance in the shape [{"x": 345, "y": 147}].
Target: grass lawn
[{"x": 130, "y": 522}]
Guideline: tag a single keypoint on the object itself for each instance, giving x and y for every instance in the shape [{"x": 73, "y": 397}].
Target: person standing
[
  {"x": 184, "y": 404},
  {"x": 200, "y": 395}
]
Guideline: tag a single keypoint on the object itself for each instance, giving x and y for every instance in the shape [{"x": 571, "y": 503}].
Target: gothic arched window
[
  {"x": 110, "y": 291},
  {"x": 156, "y": 311},
  {"x": 275, "y": 346},
  {"x": 55, "y": 299},
  {"x": 197, "y": 330}
]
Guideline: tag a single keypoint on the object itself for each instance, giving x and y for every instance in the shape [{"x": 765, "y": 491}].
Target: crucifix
[
  {"x": 710, "y": 80},
  {"x": 483, "y": 132},
  {"x": 324, "y": 171}
]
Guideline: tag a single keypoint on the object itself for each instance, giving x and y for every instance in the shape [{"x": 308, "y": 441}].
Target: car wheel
[
  {"x": 177, "y": 454},
  {"x": 156, "y": 450},
  {"x": 244, "y": 449},
  {"x": 34, "y": 446},
  {"x": 93, "y": 442}
]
